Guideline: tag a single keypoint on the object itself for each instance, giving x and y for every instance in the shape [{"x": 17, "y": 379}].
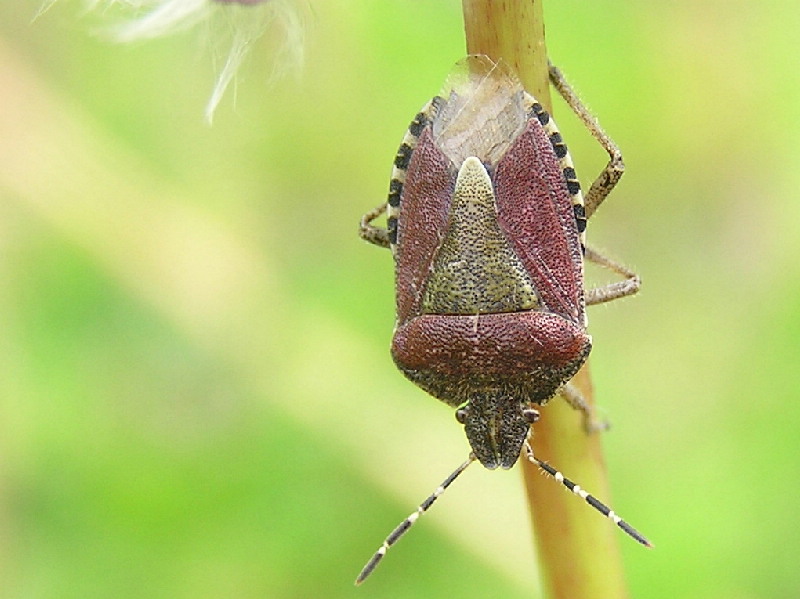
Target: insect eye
[
  {"x": 461, "y": 415},
  {"x": 530, "y": 415}
]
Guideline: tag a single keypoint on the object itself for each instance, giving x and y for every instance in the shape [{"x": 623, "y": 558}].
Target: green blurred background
[{"x": 196, "y": 391}]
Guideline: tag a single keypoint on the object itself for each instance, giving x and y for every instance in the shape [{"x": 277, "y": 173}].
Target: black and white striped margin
[{"x": 403, "y": 527}]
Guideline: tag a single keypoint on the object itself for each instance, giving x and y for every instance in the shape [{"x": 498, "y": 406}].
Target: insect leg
[
  {"x": 612, "y": 291},
  {"x": 611, "y": 174},
  {"x": 574, "y": 397},
  {"x": 369, "y": 232}
]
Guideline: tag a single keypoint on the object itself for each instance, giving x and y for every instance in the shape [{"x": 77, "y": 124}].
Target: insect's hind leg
[
  {"x": 611, "y": 174},
  {"x": 369, "y": 232},
  {"x": 612, "y": 291}
]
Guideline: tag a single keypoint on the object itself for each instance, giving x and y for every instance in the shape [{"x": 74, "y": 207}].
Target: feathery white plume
[{"x": 232, "y": 28}]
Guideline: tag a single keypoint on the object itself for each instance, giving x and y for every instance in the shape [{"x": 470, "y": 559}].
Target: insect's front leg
[
  {"x": 611, "y": 174},
  {"x": 574, "y": 397},
  {"x": 370, "y": 232},
  {"x": 612, "y": 291}
]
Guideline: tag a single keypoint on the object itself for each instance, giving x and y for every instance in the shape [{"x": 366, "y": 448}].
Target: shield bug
[{"x": 486, "y": 222}]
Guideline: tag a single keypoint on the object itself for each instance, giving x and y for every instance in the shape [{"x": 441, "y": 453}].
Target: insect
[{"x": 486, "y": 221}]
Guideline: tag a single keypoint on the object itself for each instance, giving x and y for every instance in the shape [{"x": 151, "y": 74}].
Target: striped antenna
[
  {"x": 403, "y": 527},
  {"x": 591, "y": 500}
]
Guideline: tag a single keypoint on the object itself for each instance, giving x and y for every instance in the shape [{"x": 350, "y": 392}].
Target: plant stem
[
  {"x": 514, "y": 31},
  {"x": 578, "y": 551}
]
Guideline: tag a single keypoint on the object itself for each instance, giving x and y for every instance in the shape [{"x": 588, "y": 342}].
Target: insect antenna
[
  {"x": 403, "y": 527},
  {"x": 590, "y": 499}
]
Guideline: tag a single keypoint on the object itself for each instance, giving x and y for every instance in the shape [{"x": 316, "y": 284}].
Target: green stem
[{"x": 578, "y": 549}]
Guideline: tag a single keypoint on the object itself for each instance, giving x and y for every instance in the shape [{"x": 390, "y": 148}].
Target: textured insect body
[
  {"x": 486, "y": 221},
  {"x": 489, "y": 267}
]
